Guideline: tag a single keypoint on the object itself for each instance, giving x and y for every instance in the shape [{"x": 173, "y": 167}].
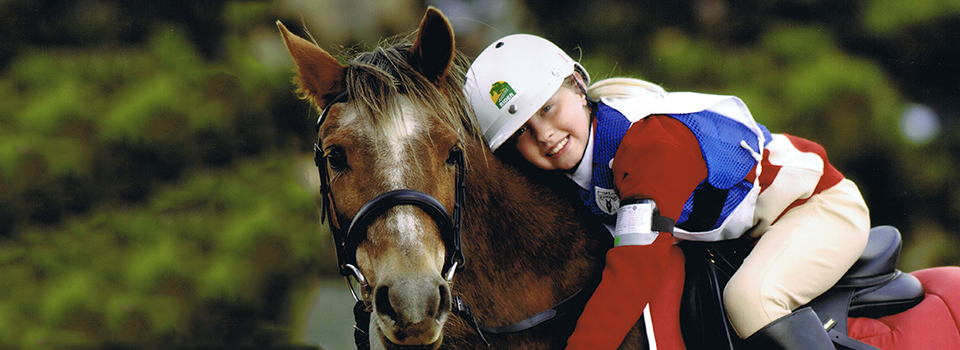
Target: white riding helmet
[{"x": 511, "y": 79}]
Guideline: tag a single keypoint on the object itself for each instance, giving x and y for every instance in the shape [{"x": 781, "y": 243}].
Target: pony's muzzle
[{"x": 413, "y": 311}]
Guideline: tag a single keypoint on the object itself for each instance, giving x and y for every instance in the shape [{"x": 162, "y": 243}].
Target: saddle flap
[{"x": 703, "y": 320}]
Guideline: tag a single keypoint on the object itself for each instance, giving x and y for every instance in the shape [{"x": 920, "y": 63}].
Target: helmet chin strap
[{"x": 584, "y": 91}]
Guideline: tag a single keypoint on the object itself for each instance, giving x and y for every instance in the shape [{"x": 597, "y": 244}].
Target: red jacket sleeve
[{"x": 659, "y": 159}]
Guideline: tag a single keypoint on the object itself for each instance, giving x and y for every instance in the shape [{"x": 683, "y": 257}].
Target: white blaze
[{"x": 397, "y": 165}]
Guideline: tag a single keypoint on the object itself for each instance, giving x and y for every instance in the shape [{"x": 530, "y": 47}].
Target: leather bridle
[{"x": 346, "y": 241}]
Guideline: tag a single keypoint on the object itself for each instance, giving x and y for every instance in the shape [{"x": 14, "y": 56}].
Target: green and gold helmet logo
[{"x": 501, "y": 93}]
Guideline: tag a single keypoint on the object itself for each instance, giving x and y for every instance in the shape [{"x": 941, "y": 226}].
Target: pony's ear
[
  {"x": 320, "y": 76},
  {"x": 434, "y": 49}
]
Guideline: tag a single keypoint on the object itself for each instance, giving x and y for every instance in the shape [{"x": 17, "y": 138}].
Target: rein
[
  {"x": 346, "y": 241},
  {"x": 572, "y": 305}
]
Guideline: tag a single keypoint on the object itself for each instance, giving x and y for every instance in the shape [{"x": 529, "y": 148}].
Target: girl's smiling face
[{"x": 556, "y": 136}]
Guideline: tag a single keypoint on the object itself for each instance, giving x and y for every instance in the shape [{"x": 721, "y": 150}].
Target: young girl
[{"x": 658, "y": 166}]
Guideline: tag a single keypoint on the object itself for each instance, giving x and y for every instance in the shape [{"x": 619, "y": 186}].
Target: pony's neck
[{"x": 527, "y": 247}]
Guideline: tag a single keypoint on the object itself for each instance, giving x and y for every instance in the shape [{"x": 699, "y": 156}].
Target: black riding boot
[{"x": 798, "y": 330}]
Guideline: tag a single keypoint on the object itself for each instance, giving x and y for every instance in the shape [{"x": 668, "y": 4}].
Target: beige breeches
[{"x": 798, "y": 258}]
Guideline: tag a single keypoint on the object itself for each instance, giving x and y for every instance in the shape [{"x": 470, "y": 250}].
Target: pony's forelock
[{"x": 375, "y": 81}]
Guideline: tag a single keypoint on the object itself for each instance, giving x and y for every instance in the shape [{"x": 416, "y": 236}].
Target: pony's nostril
[
  {"x": 445, "y": 304},
  {"x": 382, "y": 300}
]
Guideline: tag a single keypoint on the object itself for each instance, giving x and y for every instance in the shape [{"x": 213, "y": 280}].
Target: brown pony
[{"x": 401, "y": 125}]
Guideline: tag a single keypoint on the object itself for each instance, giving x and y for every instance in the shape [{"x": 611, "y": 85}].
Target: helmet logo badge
[{"x": 501, "y": 93}]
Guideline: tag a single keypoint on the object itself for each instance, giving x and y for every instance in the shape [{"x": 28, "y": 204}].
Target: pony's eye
[
  {"x": 455, "y": 155},
  {"x": 336, "y": 159}
]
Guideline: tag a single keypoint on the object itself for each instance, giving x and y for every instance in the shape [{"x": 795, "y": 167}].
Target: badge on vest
[{"x": 607, "y": 200}]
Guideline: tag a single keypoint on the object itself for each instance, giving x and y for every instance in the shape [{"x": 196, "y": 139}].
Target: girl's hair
[
  {"x": 620, "y": 87},
  {"x": 616, "y": 87}
]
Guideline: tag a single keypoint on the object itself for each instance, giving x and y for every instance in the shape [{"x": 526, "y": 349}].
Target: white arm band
[{"x": 639, "y": 223}]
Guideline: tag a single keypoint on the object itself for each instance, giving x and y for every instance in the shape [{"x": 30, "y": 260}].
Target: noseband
[{"x": 346, "y": 241}]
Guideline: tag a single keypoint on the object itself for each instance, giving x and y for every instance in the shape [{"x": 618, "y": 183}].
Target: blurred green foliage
[
  {"x": 210, "y": 246},
  {"x": 148, "y": 183}
]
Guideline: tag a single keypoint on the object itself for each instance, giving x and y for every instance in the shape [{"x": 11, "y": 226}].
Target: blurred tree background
[{"x": 156, "y": 180}]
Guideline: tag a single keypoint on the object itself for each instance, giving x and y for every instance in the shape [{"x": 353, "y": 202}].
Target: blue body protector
[{"x": 728, "y": 164}]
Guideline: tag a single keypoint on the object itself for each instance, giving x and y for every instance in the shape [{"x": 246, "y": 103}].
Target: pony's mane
[{"x": 375, "y": 81}]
